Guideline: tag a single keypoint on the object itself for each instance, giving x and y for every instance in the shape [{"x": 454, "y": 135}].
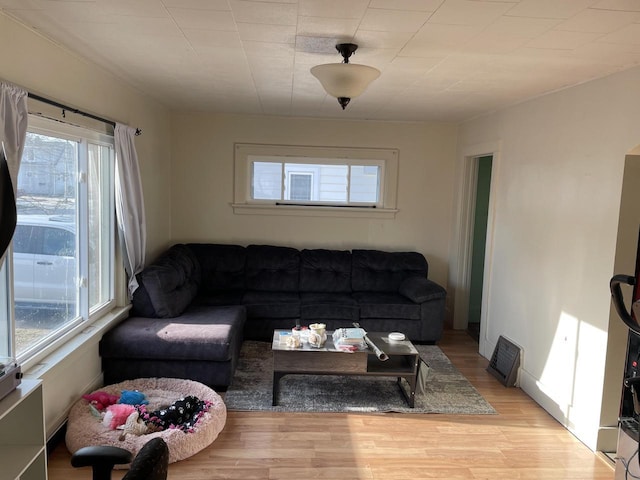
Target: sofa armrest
[
  {"x": 168, "y": 285},
  {"x": 421, "y": 289}
]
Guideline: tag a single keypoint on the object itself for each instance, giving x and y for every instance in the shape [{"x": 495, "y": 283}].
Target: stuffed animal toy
[
  {"x": 182, "y": 414},
  {"x": 134, "y": 425},
  {"x": 100, "y": 399},
  {"x": 116, "y": 415},
  {"x": 133, "y": 397}
]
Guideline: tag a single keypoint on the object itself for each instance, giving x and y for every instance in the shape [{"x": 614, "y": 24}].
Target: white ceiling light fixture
[{"x": 345, "y": 80}]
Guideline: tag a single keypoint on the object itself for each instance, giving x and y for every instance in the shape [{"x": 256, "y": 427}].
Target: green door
[{"x": 479, "y": 241}]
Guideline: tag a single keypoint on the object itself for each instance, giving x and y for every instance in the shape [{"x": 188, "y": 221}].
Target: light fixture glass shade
[{"x": 346, "y": 80}]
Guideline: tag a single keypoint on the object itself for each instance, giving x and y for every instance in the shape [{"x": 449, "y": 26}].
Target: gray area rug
[{"x": 446, "y": 390}]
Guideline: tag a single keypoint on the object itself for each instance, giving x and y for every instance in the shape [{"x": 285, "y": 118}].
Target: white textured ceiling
[{"x": 445, "y": 60}]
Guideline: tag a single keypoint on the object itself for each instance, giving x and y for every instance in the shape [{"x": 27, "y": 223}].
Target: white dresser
[{"x": 23, "y": 453}]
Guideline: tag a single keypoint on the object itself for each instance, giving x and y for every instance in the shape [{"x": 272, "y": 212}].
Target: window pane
[
  {"x": 99, "y": 180},
  {"x": 45, "y": 260},
  {"x": 266, "y": 181},
  {"x": 365, "y": 183},
  {"x": 324, "y": 181}
]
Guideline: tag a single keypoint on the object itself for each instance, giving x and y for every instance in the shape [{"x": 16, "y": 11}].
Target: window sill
[
  {"x": 75, "y": 339},
  {"x": 313, "y": 211}
]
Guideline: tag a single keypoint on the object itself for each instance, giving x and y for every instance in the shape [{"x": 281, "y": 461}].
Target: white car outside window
[{"x": 44, "y": 261}]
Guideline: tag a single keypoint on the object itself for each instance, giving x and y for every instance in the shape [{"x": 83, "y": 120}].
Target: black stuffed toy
[{"x": 183, "y": 414}]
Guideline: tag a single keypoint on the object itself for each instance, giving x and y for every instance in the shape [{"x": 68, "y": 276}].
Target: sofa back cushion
[
  {"x": 325, "y": 271},
  {"x": 168, "y": 285},
  {"x": 221, "y": 267},
  {"x": 272, "y": 269},
  {"x": 376, "y": 271}
]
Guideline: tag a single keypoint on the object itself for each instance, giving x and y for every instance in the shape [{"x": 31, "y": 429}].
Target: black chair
[{"x": 151, "y": 462}]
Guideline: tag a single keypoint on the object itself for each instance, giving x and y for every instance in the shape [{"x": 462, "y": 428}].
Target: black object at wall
[
  {"x": 8, "y": 215},
  {"x": 505, "y": 362},
  {"x": 628, "y": 438}
]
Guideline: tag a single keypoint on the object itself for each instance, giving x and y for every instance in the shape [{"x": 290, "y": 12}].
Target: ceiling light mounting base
[{"x": 346, "y": 50}]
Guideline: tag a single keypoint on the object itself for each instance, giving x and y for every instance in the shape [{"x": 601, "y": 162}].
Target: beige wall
[
  {"x": 43, "y": 68},
  {"x": 557, "y": 201},
  {"x": 202, "y": 156},
  {"x": 30, "y": 61}
]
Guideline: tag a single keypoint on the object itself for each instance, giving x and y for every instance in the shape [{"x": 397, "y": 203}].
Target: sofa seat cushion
[
  {"x": 272, "y": 304},
  {"x": 326, "y": 306},
  {"x": 386, "y": 305},
  {"x": 200, "y": 333}
]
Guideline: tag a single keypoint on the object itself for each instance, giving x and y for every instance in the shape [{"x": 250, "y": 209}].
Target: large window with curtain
[{"x": 60, "y": 269}]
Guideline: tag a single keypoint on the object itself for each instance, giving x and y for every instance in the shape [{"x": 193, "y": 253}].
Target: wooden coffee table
[{"x": 307, "y": 360}]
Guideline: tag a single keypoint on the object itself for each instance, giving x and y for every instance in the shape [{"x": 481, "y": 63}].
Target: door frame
[{"x": 463, "y": 237}]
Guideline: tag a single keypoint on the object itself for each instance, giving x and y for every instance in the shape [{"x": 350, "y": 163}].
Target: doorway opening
[{"x": 483, "y": 167}]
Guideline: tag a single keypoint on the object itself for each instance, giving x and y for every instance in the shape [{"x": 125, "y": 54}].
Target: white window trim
[
  {"x": 111, "y": 310},
  {"x": 45, "y": 126},
  {"x": 243, "y": 205}
]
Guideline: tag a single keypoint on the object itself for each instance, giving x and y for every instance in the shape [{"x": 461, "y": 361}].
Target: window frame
[
  {"x": 87, "y": 315},
  {"x": 386, "y": 158}
]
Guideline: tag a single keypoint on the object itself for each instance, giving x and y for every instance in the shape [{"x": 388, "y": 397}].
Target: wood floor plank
[{"x": 521, "y": 442}]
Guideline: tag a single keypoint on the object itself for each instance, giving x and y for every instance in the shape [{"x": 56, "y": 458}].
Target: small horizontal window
[
  {"x": 314, "y": 177},
  {"x": 315, "y": 183}
]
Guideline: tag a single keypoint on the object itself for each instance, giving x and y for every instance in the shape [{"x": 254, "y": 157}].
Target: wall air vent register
[{"x": 505, "y": 362}]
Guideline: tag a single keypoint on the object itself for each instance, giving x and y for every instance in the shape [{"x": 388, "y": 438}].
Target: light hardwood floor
[{"x": 521, "y": 442}]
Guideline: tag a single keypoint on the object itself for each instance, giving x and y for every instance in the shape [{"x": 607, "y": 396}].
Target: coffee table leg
[
  {"x": 276, "y": 387},
  {"x": 411, "y": 396}
]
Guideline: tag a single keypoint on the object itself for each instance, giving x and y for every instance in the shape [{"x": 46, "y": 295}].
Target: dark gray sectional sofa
[{"x": 218, "y": 295}]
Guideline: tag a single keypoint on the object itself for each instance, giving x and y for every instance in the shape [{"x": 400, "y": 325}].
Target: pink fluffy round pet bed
[{"x": 85, "y": 429}]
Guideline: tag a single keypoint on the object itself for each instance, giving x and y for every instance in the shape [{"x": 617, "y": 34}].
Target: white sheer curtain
[
  {"x": 130, "y": 204},
  {"x": 13, "y": 130}
]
